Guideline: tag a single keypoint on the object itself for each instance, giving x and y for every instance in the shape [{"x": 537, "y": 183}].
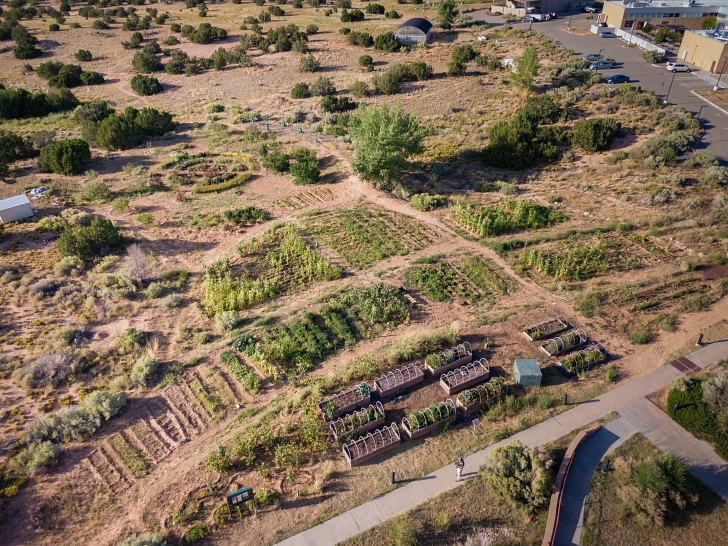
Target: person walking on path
[{"x": 459, "y": 468}]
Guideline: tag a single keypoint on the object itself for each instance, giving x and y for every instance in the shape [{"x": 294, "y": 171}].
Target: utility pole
[{"x": 668, "y": 89}]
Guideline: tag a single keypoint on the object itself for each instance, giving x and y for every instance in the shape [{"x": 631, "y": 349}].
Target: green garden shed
[{"x": 527, "y": 372}]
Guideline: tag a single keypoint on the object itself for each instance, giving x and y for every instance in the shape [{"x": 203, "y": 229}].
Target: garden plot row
[
  {"x": 564, "y": 341},
  {"x": 306, "y": 199},
  {"x": 351, "y": 413}
]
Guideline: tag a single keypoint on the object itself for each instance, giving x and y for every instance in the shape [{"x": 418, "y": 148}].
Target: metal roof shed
[
  {"x": 527, "y": 372},
  {"x": 414, "y": 31},
  {"x": 15, "y": 208}
]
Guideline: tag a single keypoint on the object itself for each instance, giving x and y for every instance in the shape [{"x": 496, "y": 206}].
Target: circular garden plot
[{"x": 208, "y": 172}]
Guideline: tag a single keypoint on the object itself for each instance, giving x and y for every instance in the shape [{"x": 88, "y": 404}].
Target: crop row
[{"x": 507, "y": 216}]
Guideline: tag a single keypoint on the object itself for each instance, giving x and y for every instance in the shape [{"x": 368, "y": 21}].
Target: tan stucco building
[
  {"x": 676, "y": 13},
  {"x": 706, "y": 49}
]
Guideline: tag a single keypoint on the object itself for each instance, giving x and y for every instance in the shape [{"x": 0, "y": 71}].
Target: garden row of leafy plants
[{"x": 507, "y": 216}]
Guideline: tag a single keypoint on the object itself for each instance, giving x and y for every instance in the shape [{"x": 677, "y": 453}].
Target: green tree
[
  {"x": 708, "y": 22},
  {"x": 146, "y": 62},
  {"x": 387, "y": 42},
  {"x": 64, "y": 156},
  {"x": 154, "y": 122},
  {"x": 83, "y": 55},
  {"x": 509, "y": 146},
  {"x": 520, "y": 475},
  {"x": 385, "y": 140},
  {"x": 526, "y": 68},
  {"x": 90, "y": 242},
  {"x": 116, "y": 133},
  {"x": 447, "y": 11},
  {"x": 146, "y": 85},
  {"x": 306, "y": 168},
  {"x": 661, "y": 34},
  {"x": 594, "y": 135}
]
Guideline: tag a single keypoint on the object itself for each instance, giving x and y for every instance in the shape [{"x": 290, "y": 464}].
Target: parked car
[
  {"x": 601, "y": 64},
  {"x": 527, "y": 19},
  {"x": 617, "y": 78},
  {"x": 592, "y": 57},
  {"x": 590, "y": 9},
  {"x": 678, "y": 67},
  {"x": 607, "y": 35},
  {"x": 552, "y": 15}
]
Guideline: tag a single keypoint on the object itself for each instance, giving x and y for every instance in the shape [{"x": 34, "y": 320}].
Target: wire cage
[
  {"x": 564, "y": 343},
  {"x": 477, "y": 396},
  {"x": 364, "y": 418},
  {"x": 421, "y": 422},
  {"x": 345, "y": 401},
  {"x": 470, "y": 371},
  {"x": 585, "y": 359},
  {"x": 399, "y": 379},
  {"x": 549, "y": 327},
  {"x": 369, "y": 446},
  {"x": 450, "y": 358}
]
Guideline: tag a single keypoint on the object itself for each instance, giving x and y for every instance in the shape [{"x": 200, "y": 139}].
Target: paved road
[
  {"x": 655, "y": 78},
  {"x": 400, "y": 500}
]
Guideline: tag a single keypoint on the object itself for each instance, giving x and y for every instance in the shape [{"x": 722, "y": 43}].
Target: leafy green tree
[
  {"x": 83, "y": 55},
  {"x": 13, "y": 147},
  {"x": 463, "y": 53},
  {"x": 446, "y": 12},
  {"x": 154, "y": 122},
  {"x": 19, "y": 103},
  {"x": 308, "y": 63},
  {"x": 385, "y": 140},
  {"x": 661, "y": 34},
  {"x": 526, "y": 68},
  {"x": 322, "y": 86},
  {"x": 387, "y": 42},
  {"x": 146, "y": 85},
  {"x": 594, "y": 135},
  {"x": 64, "y": 156},
  {"x": 509, "y": 146},
  {"x": 146, "y": 62},
  {"x": 87, "y": 243},
  {"x": 456, "y": 69},
  {"x": 117, "y": 133},
  {"x": 92, "y": 78},
  {"x": 276, "y": 161},
  {"x": 306, "y": 168},
  {"x": 300, "y": 91},
  {"x": 520, "y": 475}
]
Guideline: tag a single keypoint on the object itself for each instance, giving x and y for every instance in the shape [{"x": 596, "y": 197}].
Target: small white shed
[{"x": 15, "y": 208}]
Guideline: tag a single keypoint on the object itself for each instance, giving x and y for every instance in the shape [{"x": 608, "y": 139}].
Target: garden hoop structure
[
  {"x": 584, "y": 359},
  {"x": 382, "y": 437},
  {"x": 362, "y": 390},
  {"x": 561, "y": 344},
  {"x": 358, "y": 418},
  {"x": 449, "y": 410},
  {"x": 399, "y": 376},
  {"x": 482, "y": 393},
  {"x": 466, "y": 373},
  {"x": 451, "y": 355},
  {"x": 555, "y": 324}
]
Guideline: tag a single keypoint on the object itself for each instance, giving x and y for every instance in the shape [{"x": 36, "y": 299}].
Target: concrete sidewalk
[{"x": 376, "y": 511}]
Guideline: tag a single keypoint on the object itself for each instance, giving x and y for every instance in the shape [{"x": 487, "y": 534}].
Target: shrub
[
  {"x": 300, "y": 91},
  {"x": 96, "y": 191},
  {"x": 387, "y": 42},
  {"x": 69, "y": 266},
  {"x": 35, "y": 458},
  {"x": 359, "y": 89},
  {"x": 311, "y": 29},
  {"x": 594, "y": 135},
  {"x": 361, "y": 39},
  {"x": 456, "y": 69},
  {"x": 196, "y": 533},
  {"x": 332, "y": 103},
  {"x": 143, "y": 370},
  {"x": 509, "y": 146},
  {"x": 366, "y": 60},
  {"x": 205, "y": 34},
  {"x": 653, "y": 57},
  {"x": 130, "y": 340},
  {"x": 146, "y": 85},
  {"x": 64, "y": 156},
  {"x": 352, "y": 16},
  {"x": 277, "y": 162},
  {"x": 18, "y": 103},
  {"x": 715, "y": 176},
  {"x": 83, "y": 55},
  {"x": 25, "y": 52},
  {"x": 424, "y": 202},
  {"x": 322, "y": 87},
  {"x": 50, "y": 370},
  {"x": 611, "y": 373},
  {"x": 219, "y": 460},
  {"x": 172, "y": 301},
  {"x": 92, "y": 78},
  {"x": 463, "y": 54},
  {"x": 520, "y": 475},
  {"x": 120, "y": 204},
  {"x": 308, "y": 63},
  {"x": 387, "y": 83},
  {"x": 154, "y": 290},
  {"x": 145, "y": 219},
  {"x": 639, "y": 337},
  {"x": 51, "y": 224},
  {"x": 420, "y": 70},
  {"x": 146, "y": 62},
  {"x": 98, "y": 239},
  {"x": 227, "y": 320},
  {"x": 306, "y": 168},
  {"x": 146, "y": 540}
]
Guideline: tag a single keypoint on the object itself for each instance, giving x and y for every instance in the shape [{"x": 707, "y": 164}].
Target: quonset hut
[{"x": 414, "y": 31}]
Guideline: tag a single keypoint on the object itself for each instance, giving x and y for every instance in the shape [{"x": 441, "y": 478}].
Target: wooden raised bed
[
  {"x": 473, "y": 400},
  {"x": 449, "y": 360},
  {"x": 563, "y": 344},
  {"x": 357, "y": 422},
  {"x": 372, "y": 445},
  {"x": 468, "y": 376},
  {"x": 584, "y": 360},
  {"x": 398, "y": 380},
  {"x": 551, "y": 327},
  {"x": 433, "y": 415},
  {"x": 346, "y": 402}
]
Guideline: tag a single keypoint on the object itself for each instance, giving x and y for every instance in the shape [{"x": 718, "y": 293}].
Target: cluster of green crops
[
  {"x": 363, "y": 237},
  {"x": 444, "y": 358},
  {"x": 206, "y": 399},
  {"x": 476, "y": 395},
  {"x": 485, "y": 275},
  {"x": 360, "y": 418},
  {"x": 357, "y": 314},
  {"x": 283, "y": 261},
  {"x": 545, "y": 329},
  {"x": 570, "y": 340},
  {"x": 570, "y": 262},
  {"x": 250, "y": 380},
  {"x": 434, "y": 413},
  {"x": 438, "y": 281},
  {"x": 578, "y": 362},
  {"x": 507, "y": 216}
]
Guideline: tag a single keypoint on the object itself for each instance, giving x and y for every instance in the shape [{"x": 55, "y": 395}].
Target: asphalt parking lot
[{"x": 629, "y": 62}]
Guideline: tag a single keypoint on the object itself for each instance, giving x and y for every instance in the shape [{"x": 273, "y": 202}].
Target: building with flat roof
[
  {"x": 15, "y": 208},
  {"x": 685, "y": 14},
  {"x": 707, "y": 49}
]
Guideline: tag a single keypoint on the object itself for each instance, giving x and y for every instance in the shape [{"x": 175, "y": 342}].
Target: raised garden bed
[
  {"x": 398, "y": 380},
  {"x": 450, "y": 359},
  {"x": 468, "y": 376},
  {"x": 345, "y": 402},
  {"x": 421, "y": 422},
  {"x": 372, "y": 445},
  {"x": 554, "y": 325},
  {"x": 585, "y": 359},
  {"x": 358, "y": 422},
  {"x": 564, "y": 344},
  {"x": 473, "y": 400}
]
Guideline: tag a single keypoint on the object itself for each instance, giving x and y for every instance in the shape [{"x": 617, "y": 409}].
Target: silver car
[{"x": 678, "y": 67}]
